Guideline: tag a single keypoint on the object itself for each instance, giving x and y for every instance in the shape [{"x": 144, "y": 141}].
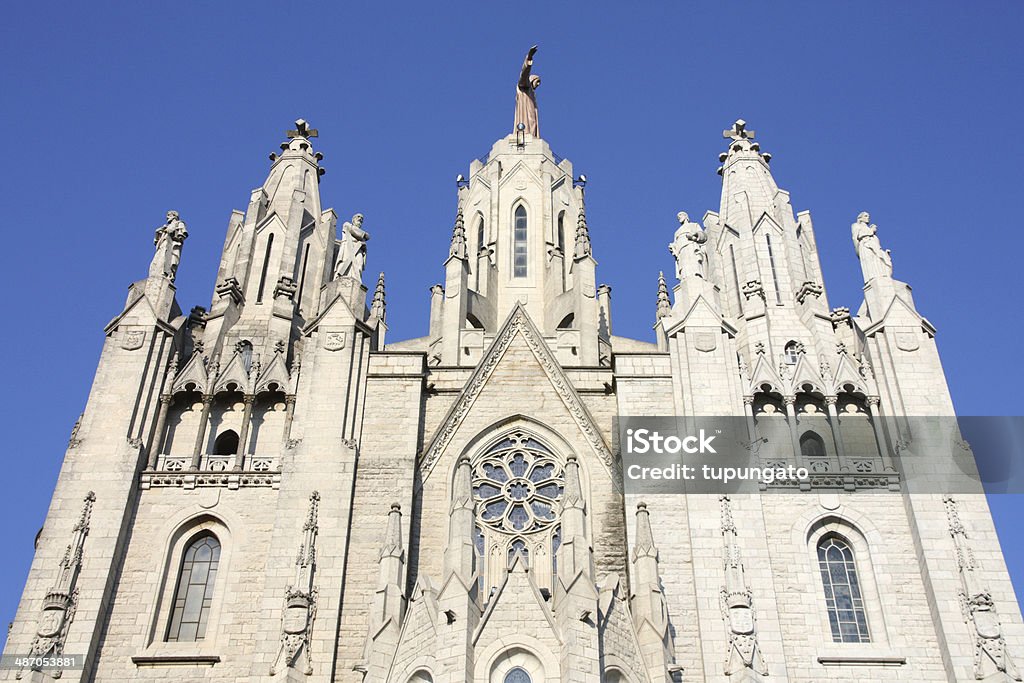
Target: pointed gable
[
  {"x": 519, "y": 356},
  {"x": 517, "y": 608}
]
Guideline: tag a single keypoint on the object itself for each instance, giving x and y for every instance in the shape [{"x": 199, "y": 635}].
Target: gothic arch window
[
  {"x": 517, "y": 675},
  {"x": 792, "y": 352},
  {"x": 518, "y": 482},
  {"x": 812, "y": 445},
  {"x": 421, "y": 677},
  {"x": 245, "y": 350},
  {"x": 844, "y": 600},
  {"x": 266, "y": 265},
  {"x": 226, "y": 443},
  {"x": 561, "y": 231},
  {"x": 775, "y": 274},
  {"x": 193, "y": 594},
  {"x": 480, "y": 238},
  {"x": 520, "y": 253}
]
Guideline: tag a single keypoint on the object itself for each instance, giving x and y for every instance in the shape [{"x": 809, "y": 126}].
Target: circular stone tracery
[{"x": 518, "y": 483}]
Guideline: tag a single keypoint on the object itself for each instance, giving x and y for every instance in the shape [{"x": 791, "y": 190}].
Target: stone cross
[
  {"x": 738, "y": 131},
  {"x": 302, "y": 130}
]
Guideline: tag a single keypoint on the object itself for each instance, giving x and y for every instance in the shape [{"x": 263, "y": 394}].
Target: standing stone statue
[
  {"x": 168, "y": 241},
  {"x": 352, "y": 254},
  {"x": 874, "y": 261},
  {"x": 526, "y": 97},
  {"x": 688, "y": 248}
]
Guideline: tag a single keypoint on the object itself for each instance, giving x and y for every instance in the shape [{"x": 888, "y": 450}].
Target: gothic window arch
[
  {"x": 226, "y": 443},
  {"x": 517, "y": 675},
  {"x": 518, "y": 481},
  {"x": 193, "y": 593},
  {"x": 520, "y": 250},
  {"x": 844, "y": 597},
  {"x": 792, "y": 352},
  {"x": 266, "y": 266},
  {"x": 812, "y": 445},
  {"x": 421, "y": 676},
  {"x": 245, "y": 350}
]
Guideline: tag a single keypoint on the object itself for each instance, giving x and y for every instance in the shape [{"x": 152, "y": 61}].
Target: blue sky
[{"x": 114, "y": 114}]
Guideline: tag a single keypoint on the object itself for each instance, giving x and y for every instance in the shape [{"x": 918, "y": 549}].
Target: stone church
[{"x": 272, "y": 489}]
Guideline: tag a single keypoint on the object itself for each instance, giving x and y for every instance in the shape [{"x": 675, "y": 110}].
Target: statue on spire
[
  {"x": 526, "y": 97},
  {"x": 352, "y": 254},
  {"x": 874, "y": 261},
  {"x": 688, "y": 248},
  {"x": 168, "y": 241}
]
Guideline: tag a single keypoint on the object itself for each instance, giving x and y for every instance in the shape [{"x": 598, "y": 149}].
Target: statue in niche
[
  {"x": 874, "y": 261},
  {"x": 168, "y": 240},
  {"x": 526, "y": 97},
  {"x": 352, "y": 254},
  {"x": 688, "y": 248}
]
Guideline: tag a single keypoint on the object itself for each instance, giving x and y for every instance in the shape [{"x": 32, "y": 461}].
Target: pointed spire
[
  {"x": 644, "y": 546},
  {"x": 378, "y": 308},
  {"x": 572, "y": 497},
  {"x": 664, "y": 304},
  {"x": 583, "y": 249},
  {"x": 458, "y": 248},
  {"x": 392, "y": 546}
]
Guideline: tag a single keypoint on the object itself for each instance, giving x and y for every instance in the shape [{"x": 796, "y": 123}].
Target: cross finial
[
  {"x": 738, "y": 131},
  {"x": 302, "y": 130}
]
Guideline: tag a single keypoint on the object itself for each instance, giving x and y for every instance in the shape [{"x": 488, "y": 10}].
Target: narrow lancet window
[
  {"x": 843, "y": 598},
  {"x": 194, "y": 593},
  {"x": 775, "y": 275},
  {"x": 263, "y": 273},
  {"x": 519, "y": 251},
  {"x": 736, "y": 280}
]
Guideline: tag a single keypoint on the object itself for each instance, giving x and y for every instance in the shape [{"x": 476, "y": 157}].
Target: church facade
[{"x": 273, "y": 490}]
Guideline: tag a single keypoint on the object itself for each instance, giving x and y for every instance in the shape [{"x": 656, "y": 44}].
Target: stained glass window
[
  {"x": 517, "y": 675},
  {"x": 194, "y": 593},
  {"x": 843, "y": 599},
  {"x": 519, "y": 252}
]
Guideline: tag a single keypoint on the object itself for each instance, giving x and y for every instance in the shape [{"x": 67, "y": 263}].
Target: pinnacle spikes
[
  {"x": 644, "y": 546},
  {"x": 664, "y": 303},
  {"x": 458, "y": 248},
  {"x": 583, "y": 248},
  {"x": 378, "y": 307},
  {"x": 392, "y": 546}
]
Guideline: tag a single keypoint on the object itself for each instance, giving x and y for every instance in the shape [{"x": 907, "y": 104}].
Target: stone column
[
  {"x": 197, "y": 452},
  {"x": 158, "y": 435},
  {"x": 243, "y": 436},
  {"x": 289, "y": 417},
  {"x": 790, "y": 402},
  {"x": 837, "y": 434},
  {"x": 883, "y": 450}
]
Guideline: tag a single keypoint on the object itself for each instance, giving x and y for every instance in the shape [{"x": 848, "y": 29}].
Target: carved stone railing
[
  {"x": 214, "y": 470},
  {"x": 848, "y": 474}
]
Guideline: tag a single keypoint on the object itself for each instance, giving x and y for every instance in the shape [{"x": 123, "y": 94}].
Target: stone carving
[
  {"x": 526, "y": 97},
  {"x": 737, "y": 605},
  {"x": 133, "y": 339},
  {"x": 73, "y": 440},
  {"x": 334, "y": 341},
  {"x": 990, "y": 655},
  {"x": 458, "y": 246},
  {"x": 518, "y": 324},
  {"x": 62, "y": 599},
  {"x": 688, "y": 248},
  {"x": 300, "y": 600},
  {"x": 874, "y": 261},
  {"x": 378, "y": 306},
  {"x": 352, "y": 254},
  {"x": 664, "y": 304},
  {"x": 809, "y": 288},
  {"x": 168, "y": 241},
  {"x": 751, "y": 289},
  {"x": 582, "y": 247}
]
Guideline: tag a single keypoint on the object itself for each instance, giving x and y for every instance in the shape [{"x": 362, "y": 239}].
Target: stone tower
[{"x": 267, "y": 491}]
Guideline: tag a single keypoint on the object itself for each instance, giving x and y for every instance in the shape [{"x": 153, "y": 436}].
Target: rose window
[{"x": 517, "y": 484}]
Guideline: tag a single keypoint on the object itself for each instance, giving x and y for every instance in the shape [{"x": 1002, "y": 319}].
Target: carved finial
[
  {"x": 458, "y": 248},
  {"x": 738, "y": 131},
  {"x": 583, "y": 248},
  {"x": 392, "y": 546},
  {"x": 302, "y": 130},
  {"x": 759, "y": 348},
  {"x": 280, "y": 346},
  {"x": 378, "y": 308},
  {"x": 644, "y": 546},
  {"x": 664, "y": 304}
]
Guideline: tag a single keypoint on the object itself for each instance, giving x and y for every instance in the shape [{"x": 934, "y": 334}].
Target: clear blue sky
[{"x": 115, "y": 113}]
